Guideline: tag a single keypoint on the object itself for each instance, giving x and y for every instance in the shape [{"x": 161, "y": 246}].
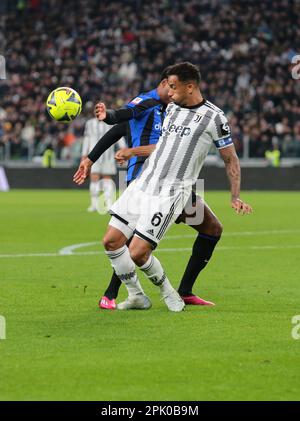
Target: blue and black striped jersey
[{"x": 144, "y": 128}]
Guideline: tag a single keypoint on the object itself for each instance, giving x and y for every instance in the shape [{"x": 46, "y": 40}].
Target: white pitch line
[
  {"x": 160, "y": 250},
  {"x": 4, "y": 256},
  {"x": 69, "y": 249},
  {"x": 237, "y": 234}
]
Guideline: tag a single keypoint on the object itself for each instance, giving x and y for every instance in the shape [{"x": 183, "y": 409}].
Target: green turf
[{"x": 60, "y": 346}]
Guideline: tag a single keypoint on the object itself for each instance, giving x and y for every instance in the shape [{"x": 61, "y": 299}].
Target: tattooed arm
[{"x": 233, "y": 170}]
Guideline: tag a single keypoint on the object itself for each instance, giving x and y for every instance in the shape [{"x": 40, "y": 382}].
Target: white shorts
[{"x": 148, "y": 217}]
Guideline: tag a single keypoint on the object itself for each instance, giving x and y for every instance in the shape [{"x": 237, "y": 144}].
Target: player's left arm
[
  {"x": 134, "y": 109},
  {"x": 125, "y": 154},
  {"x": 112, "y": 116},
  {"x": 222, "y": 139},
  {"x": 106, "y": 141},
  {"x": 233, "y": 170}
]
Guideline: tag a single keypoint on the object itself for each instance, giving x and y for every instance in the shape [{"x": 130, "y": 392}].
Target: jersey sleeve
[
  {"x": 134, "y": 109},
  {"x": 220, "y": 131},
  {"x": 140, "y": 105}
]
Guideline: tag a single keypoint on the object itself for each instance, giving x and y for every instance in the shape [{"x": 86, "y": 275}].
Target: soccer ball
[{"x": 64, "y": 104}]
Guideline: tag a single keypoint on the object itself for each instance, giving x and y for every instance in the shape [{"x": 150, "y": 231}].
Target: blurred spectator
[
  {"x": 112, "y": 50},
  {"x": 48, "y": 157},
  {"x": 273, "y": 156},
  {"x": 66, "y": 145}
]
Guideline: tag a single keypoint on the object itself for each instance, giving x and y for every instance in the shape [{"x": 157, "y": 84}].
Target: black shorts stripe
[
  {"x": 118, "y": 217},
  {"x": 153, "y": 243},
  {"x": 167, "y": 220}
]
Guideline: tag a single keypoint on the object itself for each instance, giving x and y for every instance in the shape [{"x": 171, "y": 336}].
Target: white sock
[
  {"x": 154, "y": 271},
  {"x": 109, "y": 190},
  {"x": 94, "y": 193},
  {"x": 125, "y": 269}
]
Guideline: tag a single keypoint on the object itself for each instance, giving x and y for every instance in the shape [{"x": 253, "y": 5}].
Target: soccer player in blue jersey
[{"x": 144, "y": 117}]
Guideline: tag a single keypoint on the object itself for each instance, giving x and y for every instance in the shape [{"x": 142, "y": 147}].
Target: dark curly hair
[{"x": 185, "y": 71}]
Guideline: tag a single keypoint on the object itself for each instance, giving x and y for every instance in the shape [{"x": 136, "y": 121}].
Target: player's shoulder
[
  {"x": 219, "y": 128},
  {"x": 172, "y": 107},
  {"x": 151, "y": 97},
  {"x": 212, "y": 106},
  {"x": 214, "y": 111}
]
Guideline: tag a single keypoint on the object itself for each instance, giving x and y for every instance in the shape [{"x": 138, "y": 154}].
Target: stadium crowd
[{"x": 110, "y": 50}]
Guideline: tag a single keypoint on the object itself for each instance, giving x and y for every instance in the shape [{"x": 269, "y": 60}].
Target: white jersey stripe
[
  {"x": 158, "y": 153},
  {"x": 172, "y": 155},
  {"x": 187, "y": 136},
  {"x": 198, "y": 132}
]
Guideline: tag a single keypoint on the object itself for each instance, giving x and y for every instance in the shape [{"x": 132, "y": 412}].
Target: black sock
[
  {"x": 202, "y": 250},
  {"x": 112, "y": 290},
  {"x": 113, "y": 287}
]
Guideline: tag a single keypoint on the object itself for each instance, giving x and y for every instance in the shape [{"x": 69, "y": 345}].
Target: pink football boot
[
  {"x": 196, "y": 301},
  {"x": 107, "y": 304}
]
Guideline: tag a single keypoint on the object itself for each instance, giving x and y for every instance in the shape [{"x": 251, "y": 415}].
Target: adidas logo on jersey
[{"x": 151, "y": 232}]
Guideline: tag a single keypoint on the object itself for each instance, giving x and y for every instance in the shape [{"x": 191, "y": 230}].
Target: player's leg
[
  {"x": 94, "y": 191},
  {"x": 126, "y": 211},
  {"x": 108, "y": 168},
  {"x": 141, "y": 254},
  {"x": 114, "y": 242},
  {"x": 209, "y": 233},
  {"x": 158, "y": 214},
  {"x": 108, "y": 301}
]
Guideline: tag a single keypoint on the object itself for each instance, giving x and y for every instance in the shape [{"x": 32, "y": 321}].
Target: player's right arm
[
  {"x": 106, "y": 141},
  {"x": 134, "y": 109}
]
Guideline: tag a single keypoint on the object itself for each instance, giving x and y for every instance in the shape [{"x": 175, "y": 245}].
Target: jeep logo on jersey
[
  {"x": 180, "y": 130},
  {"x": 225, "y": 129}
]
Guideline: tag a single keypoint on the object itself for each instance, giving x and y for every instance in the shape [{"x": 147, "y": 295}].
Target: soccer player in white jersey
[
  {"x": 102, "y": 170},
  {"x": 154, "y": 200}
]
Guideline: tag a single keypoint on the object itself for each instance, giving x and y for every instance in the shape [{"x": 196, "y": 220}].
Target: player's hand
[
  {"x": 123, "y": 154},
  {"x": 83, "y": 171},
  {"x": 240, "y": 207},
  {"x": 100, "y": 111}
]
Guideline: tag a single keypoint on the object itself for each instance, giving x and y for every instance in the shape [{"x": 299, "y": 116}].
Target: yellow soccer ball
[{"x": 64, "y": 104}]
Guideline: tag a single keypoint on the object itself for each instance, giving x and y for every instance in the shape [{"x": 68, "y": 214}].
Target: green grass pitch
[{"x": 60, "y": 346}]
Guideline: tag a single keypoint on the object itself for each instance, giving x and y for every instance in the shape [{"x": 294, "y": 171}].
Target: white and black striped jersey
[
  {"x": 94, "y": 130},
  {"x": 186, "y": 138}
]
